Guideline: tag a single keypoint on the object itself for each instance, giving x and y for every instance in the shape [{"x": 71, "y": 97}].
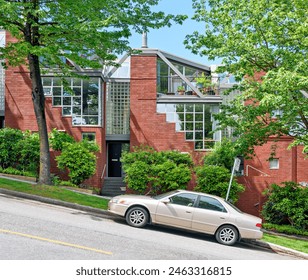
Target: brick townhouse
[{"x": 140, "y": 102}]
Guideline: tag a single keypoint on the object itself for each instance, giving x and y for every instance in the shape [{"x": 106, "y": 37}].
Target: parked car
[{"x": 189, "y": 210}]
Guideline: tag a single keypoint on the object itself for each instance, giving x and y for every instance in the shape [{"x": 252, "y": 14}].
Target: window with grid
[
  {"x": 78, "y": 98},
  {"x": 117, "y": 109},
  {"x": 196, "y": 120}
]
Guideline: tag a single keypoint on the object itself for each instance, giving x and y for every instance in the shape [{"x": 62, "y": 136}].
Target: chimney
[{"x": 144, "y": 40}]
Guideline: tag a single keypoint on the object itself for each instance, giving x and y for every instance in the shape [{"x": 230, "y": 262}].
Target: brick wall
[{"x": 146, "y": 125}]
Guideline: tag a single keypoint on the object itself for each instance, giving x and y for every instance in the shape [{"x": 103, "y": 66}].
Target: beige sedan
[{"x": 189, "y": 210}]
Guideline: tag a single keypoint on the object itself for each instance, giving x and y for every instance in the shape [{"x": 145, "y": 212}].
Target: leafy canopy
[
  {"x": 88, "y": 32},
  {"x": 264, "y": 44}
]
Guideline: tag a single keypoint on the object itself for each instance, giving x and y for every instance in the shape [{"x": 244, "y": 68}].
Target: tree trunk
[{"x": 38, "y": 99}]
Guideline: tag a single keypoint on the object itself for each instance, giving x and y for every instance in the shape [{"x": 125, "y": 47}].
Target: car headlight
[{"x": 118, "y": 200}]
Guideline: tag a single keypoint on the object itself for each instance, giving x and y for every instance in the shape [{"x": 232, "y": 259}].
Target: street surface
[{"x": 31, "y": 230}]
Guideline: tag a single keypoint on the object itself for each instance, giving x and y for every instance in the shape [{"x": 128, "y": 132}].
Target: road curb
[{"x": 277, "y": 248}]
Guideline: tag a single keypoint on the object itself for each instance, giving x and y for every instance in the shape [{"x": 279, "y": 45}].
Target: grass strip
[
  {"x": 295, "y": 244},
  {"x": 55, "y": 192}
]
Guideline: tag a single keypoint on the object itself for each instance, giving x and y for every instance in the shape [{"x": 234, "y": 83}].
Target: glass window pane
[
  {"x": 77, "y": 100},
  {"x": 67, "y": 111},
  {"x": 56, "y": 101},
  {"x": 186, "y": 199},
  {"x": 47, "y": 81},
  {"x": 56, "y": 91},
  {"x": 199, "y": 126},
  {"x": 189, "y": 136},
  {"x": 210, "y": 203},
  {"x": 67, "y": 100},
  {"x": 76, "y": 110}
]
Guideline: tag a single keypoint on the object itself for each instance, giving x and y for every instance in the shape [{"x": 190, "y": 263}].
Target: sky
[{"x": 170, "y": 39}]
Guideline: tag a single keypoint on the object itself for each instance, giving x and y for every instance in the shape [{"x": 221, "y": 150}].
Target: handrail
[
  {"x": 255, "y": 169},
  {"x": 104, "y": 169}
]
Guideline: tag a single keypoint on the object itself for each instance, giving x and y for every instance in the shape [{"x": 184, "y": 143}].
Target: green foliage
[
  {"x": 19, "y": 151},
  {"x": 287, "y": 205},
  {"x": 223, "y": 154},
  {"x": 286, "y": 229},
  {"x": 147, "y": 170},
  {"x": 58, "y": 138},
  {"x": 14, "y": 171},
  {"x": 267, "y": 38},
  {"x": 214, "y": 180},
  {"x": 29, "y": 152},
  {"x": 78, "y": 160},
  {"x": 8, "y": 150}
]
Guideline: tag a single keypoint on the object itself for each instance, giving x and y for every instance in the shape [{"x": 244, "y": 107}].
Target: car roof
[{"x": 201, "y": 193}]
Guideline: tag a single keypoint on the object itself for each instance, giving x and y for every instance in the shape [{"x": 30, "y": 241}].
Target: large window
[
  {"x": 196, "y": 120},
  {"x": 170, "y": 83},
  {"x": 79, "y": 98}
]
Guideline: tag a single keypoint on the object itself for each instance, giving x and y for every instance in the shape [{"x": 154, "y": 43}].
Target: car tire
[
  {"x": 227, "y": 235},
  {"x": 137, "y": 217}
]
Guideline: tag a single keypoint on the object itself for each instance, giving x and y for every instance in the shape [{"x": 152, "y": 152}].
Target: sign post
[{"x": 236, "y": 167}]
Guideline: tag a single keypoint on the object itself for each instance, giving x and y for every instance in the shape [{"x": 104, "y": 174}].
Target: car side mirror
[{"x": 165, "y": 200}]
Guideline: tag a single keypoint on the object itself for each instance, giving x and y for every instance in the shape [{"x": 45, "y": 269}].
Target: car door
[
  {"x": 209, "y": 214},
  {"x": 178, "y": 211}
]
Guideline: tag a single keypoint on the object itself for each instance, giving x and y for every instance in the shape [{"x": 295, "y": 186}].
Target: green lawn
[
  {"x": 295, "y": 244},
  {"x": 55, "y": 193}
]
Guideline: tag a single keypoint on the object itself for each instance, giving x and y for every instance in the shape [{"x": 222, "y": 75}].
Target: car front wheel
[
  {"x": 227, "y": 235},
  {"x": 137, "y": 217}
]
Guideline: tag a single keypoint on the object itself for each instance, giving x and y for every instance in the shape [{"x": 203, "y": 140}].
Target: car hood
[{"x": 134, "y": 197}]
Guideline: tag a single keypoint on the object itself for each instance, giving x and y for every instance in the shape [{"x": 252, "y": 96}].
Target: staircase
[{"x": 113, "y": 186}]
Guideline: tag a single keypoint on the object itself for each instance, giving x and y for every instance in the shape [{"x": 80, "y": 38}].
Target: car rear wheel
[
  {"x": 137, "y": 217},
  {"x": 226, "y": 235}
]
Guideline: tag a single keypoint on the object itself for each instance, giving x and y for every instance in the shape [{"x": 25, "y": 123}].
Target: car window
[
  {"x": 210, "y": 203},
  {"x": 187, "y": 199}
]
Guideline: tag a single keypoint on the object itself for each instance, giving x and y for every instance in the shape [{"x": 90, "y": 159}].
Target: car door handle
[
  {"x": 222, "y": 218},
  {"x": 188, "y": 212}
]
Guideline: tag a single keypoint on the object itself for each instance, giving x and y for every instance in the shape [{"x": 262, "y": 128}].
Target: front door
[{"x": 114, "y": 162}]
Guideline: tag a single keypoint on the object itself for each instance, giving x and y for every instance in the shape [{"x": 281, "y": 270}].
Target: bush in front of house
[
  {"x": 19, "y": 151},
  {"x": 29, "y": 152},
  {"x": 58, "y": 138},
  {"x": 223, "y": 154},
  {"x": 9, "y": 154},
  {"x": 213, "y": 179},
  {"x": 79, "y": 159},
  {"x": 287, "y": 204},
  {"x": 150, "y": 172}
]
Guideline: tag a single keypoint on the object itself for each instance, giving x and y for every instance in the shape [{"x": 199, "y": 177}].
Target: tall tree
[
  {"x": 89, "y": 32},
  {"x": 264, "y": 44}
]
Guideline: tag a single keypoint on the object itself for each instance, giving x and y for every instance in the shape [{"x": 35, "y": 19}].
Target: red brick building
[{"x": 141, "y": 103}]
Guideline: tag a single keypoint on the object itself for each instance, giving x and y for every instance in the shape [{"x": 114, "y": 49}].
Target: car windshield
[
  {"x": 234, "y": 207},
  {"x": 160, "y": 196}
]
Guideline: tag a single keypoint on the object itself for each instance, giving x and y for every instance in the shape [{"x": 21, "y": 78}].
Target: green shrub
[
  {"x": 9, "y": 138},
  {"x": 78, "y": 160},
  {"x": 286, "y": 229},
  {"x": 147, "y": 170},
  {"x": 286, "y": 205},
  {"x": 29, "y": 152},
  {"x": 58, "y": 138},
  {"x": 214, "y": 180},
  {"x": 223, "y": 154}
]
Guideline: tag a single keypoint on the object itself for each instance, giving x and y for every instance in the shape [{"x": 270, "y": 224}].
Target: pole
[{"x": 236, "y": 165}]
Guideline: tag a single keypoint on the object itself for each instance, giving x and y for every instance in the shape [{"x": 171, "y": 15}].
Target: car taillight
[{"x": 259, "y": 225}]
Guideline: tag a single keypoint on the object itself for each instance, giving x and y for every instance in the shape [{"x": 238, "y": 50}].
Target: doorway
[{"x": 115, "y": 150}]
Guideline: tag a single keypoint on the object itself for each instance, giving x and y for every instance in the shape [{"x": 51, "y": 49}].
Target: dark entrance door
[{"x": 114, "y": 163}]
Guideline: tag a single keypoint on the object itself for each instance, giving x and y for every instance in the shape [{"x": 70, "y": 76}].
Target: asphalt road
[{"x": 31, "y": 230}]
